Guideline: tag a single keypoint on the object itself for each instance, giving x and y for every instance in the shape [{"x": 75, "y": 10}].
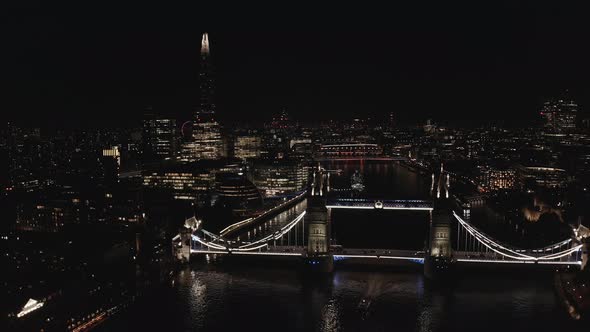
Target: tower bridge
[{"x": 307, "y": 237}]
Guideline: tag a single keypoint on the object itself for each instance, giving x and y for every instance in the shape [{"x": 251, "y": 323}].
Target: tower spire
[{"x": 205, "y": 44}]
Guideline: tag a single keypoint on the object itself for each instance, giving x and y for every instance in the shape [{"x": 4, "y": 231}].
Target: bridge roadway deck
[
  {"x": 363, "y": 158},
  {"x": 231, "y": 229},
  {"x": 367, "y": 255},
  {"x": 345, "y": 253}
]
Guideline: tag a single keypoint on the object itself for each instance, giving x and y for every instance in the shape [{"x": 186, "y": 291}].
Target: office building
[
  {"x": 560, "y": 116},
  {"x": 159, "y": 138},
  {"x": 279, "y": 177}
]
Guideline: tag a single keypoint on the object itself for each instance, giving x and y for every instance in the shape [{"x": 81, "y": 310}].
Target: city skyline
[
  {"x": 504, "y": 65},
  {"x": 165, "y": 172}
]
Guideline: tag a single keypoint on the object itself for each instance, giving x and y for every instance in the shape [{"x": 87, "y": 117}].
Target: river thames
[
  {"x": 218, "y": 297},
  {"x": 263, "y": 299}
]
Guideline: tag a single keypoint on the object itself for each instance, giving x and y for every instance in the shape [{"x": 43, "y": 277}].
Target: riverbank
[{"x": 562, "y": 281}]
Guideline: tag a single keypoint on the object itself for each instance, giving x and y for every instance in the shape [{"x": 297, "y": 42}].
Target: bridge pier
[
  {"x": 438, "y": 260},
  {"x": 318, "y": 257},
  {"x": 183, "y": 253}
]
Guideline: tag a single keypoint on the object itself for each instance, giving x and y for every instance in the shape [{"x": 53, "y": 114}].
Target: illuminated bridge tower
[
  {"x": 317, "y": 217},
  {"x": 439, "y": 254},
  {"x": 585, "y": 252},
  {"x": 581, "y": 234},
  {"x": 182, "y": 245}
]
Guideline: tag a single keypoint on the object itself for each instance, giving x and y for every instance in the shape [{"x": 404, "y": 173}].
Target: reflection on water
[
  {"x": 376, "y": 285},
  {"x": 253, "y": 298},
  {"x": 382, "y": 180},
  {"x": 277, "y": 300},
  {"x": 198, "y": 304},
  {"x": 330, "y": 317}
]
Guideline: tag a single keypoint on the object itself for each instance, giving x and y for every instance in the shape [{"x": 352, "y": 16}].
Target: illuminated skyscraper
[
  {"x": 391, "y": 120},
  {"x": 206, "y": 80},
  {"x": 247, "y": 146},
  {"x": 279, "y": 177},
  {"x": 206, "y": 141},
  {"x": 279, "y": 133},
  {"x": 560, "y": 115},
  {"x": 159, "y": 137}
]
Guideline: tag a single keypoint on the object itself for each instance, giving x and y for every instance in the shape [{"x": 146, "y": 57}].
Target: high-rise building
[
  {"x": 206, "y": 142},
  {"x": 247, "y": 146},
  {"x": 279, "y": 177},
  {"x": 186, "y": 180},
  {"x": 560, "y": 116},
  {"x": 206, "y": 79},
  {"x": 111, "y": 164},
  {"x": 429, "y": 127},
  {"x": 159, "y": 137},
  {"x": 282, "y": 121},
  {"x": 279, "y": 133},
  {"x": 391, "y": 120}
]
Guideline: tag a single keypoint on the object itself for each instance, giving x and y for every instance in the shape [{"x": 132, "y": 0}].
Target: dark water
[
  {"x": 406, "y": 230},
  {"x": 382, "y": 180},
  {"x": 381, "y": 229},
  {"x": 208, "y": 297},
  {"x": 276, "y": 300}
]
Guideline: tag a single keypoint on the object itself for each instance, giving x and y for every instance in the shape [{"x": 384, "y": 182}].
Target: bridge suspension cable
[
  {"x": 278, "y": 234},
  {"x": 256, "y": 245},
  {"x": 510, "y": 253}
]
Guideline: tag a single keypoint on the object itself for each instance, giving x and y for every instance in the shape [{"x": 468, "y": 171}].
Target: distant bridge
[
  {"x": 369, "y": 204},
  {"x": 365, "y": 158},
  {"x": 354, "y": 151}
]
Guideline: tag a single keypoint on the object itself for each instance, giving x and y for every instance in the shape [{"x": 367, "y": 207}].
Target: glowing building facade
[
  {"x": 159, "y": 137},
  {"x": 279, "y": 177},
  {"x": 548, "y": 177},
  {"x": 560, "y": 116},
  {"x": 207, "y": 142},
  {"x": 237, "y": 192},
  {"x": 187, "y": 180},
  {"x": 491, "y": 178},
  {"x": 278, "y": 134},
  {"x": 247, "y": 146},
  {"x": 350, "y": 150}
]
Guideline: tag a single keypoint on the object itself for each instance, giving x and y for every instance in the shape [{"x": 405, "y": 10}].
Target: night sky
[{"x": 87, "y": 66}]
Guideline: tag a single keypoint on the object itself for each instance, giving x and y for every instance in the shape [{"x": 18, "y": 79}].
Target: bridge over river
[{"x": 306, "y": 236}]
